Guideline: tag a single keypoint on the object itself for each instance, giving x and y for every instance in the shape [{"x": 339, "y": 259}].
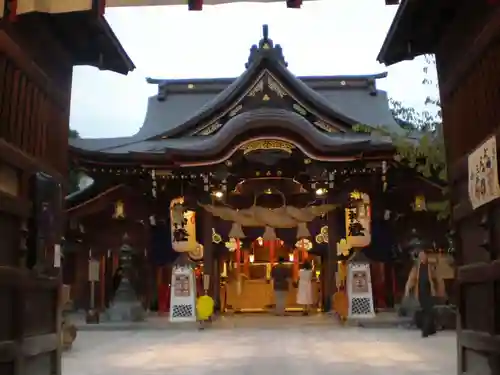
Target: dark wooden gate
[
  {"x": 34, "y": 115},
  {"x": 471, "y": 115}
]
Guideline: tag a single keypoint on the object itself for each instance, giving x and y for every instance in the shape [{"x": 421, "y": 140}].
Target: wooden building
[
  {"x": 37, "y": 55},
  {"x": 263, "y": 165},
  {"x": 464, "y": 36}
]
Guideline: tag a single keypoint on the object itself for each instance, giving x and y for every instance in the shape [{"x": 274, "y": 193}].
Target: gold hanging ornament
[{"x": 119, "y": 210}]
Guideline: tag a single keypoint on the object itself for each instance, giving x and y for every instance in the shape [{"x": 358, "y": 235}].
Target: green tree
[{"x": 73, "y": 134}]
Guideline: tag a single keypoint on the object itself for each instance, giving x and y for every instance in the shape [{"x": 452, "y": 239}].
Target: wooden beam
[
  {"x": 36, "y": 345},
  {"x": 476, "y": 50},
  {"x": 480, "y": 341},
  {"x": 143, "y": 3},
  {"x": 19, "y": 159},
  {"x": 14, "y": 205},
  {"x": 23, "y": 278},
  {"x": 8, "y": 351},
  {"x": 30, "y": 347},
  {"x": 479, "y": 272}
]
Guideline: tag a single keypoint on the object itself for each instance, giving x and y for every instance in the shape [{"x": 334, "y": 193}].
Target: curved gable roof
[{"x": 181, "y": 106}]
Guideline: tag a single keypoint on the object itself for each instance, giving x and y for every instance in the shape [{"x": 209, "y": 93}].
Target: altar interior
[{"x": 247, "y": 285}]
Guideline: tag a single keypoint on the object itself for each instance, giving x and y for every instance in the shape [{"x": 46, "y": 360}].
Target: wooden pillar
[
  {"x": 272, "y": 251},
  {"x": 295, "y": 264},
  {"x": 216, "y": 281},
  {"x": 208, "y": 249},
  {"x": 237, "y": 258},
  {"x": 246, "y": 263},
  {"x": 102, "y": 282},
  {"x": 330, "y": 258},
  {"x": 109, "y": 273}
]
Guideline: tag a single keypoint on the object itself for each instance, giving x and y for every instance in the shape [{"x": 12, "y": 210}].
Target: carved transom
[{"x": 267, "y": 144}]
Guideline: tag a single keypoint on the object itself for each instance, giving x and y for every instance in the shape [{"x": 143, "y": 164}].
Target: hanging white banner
[{"x": 483, "y": 173}]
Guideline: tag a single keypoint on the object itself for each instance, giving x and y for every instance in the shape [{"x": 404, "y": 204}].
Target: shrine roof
[
  {"x": 335, "y": 144},
  {"x": 177, "y": 115}
]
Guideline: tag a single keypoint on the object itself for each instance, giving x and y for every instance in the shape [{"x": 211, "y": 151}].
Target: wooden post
[
  {"x": 216, "y": 282},
  {"x": 208, "y": 251},
  {"x": 102, "y": 282},
  {"x": 295, "y": 264},
  {"x": 330, "y": 268},
  {"x": 237, "y": 256},
  {"x": 271, "y": 245},
  {"x": 246, "y": 263}
]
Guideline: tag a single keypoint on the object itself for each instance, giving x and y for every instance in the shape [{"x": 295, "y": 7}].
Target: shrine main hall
[{"x": 231, "y": 174}]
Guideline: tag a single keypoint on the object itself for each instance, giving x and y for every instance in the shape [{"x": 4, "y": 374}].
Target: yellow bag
[{"x": 204, "y": 307}]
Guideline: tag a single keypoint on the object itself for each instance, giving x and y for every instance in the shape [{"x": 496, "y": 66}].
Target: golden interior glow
[{"x": 321, "y": 191}]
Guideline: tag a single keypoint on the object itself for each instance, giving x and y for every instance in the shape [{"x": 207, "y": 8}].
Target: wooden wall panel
[
  {"x": 471, "y": 114},
  {"x": 35, "y": 83}
]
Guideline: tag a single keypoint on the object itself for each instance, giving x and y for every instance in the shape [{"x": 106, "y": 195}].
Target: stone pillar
[{"x": 330, "y": 259}]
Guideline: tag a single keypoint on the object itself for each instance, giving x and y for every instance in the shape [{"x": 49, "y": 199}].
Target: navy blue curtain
[
  {"x": 162, "y": 252},
  {"x": 381, "y": 248}
]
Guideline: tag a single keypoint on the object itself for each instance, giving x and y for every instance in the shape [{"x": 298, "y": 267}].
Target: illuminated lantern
[
  {"x": 197, "y": 254},
  {"x": 358, "y": 220},
  {"x": 183, "y": 227},
  {"x": 420, "y": 204}
]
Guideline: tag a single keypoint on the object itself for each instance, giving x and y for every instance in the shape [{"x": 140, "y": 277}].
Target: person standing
[
  {"x": 427, "y": 285},
  {"x": 304, "y": 294},
  {"x": 280, "y": 275}
]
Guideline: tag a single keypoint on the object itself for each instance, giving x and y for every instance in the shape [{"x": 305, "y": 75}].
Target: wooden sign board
[{"x": 483, "y": 173}]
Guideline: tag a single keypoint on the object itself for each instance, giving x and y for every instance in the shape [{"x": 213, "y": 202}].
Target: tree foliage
[{"x": 422, "y": 146}]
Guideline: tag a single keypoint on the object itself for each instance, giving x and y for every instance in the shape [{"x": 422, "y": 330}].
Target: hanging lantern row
[
  {"x": 169, "y": 175},
  {"x": 153, "y": 183}
]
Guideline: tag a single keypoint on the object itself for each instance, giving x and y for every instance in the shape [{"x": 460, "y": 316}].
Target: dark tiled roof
[
  {"x": 337, "y": 143},
  {"x": 182, "y": 105}
]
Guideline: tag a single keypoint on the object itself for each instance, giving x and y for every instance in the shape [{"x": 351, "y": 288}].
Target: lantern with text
[
  {"x": 358, "y": 220},
  {"x": 183, "y": 226}
]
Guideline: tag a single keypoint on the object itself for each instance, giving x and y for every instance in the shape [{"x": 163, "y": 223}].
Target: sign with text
[{"x": 483, "y": 173}]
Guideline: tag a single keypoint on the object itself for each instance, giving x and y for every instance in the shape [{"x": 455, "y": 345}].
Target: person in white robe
[{"x": 304, "y": 293}]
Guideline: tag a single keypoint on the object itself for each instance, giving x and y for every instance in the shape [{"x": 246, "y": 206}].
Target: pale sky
[{"x": 328, "y": 37}]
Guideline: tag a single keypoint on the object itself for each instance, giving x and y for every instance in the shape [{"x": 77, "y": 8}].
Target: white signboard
[
  {"x": 183, "y": 295},
  {"x": 57, "y": 256},
  {"x": 483, "y": 174},
  {"x": 359, "y": 290},
  {"x": 94, "y": 270}
]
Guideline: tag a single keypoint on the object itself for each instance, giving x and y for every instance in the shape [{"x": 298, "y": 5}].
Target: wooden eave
[
  {"x": 91, "y": 41},
  {"x": 416, "y": 29},
  {"x": 96, "y": 203},
  {"x": 20, "y": 160},
  {"x": 102, "y": 158},
  {"x": 85, "y": 35}
]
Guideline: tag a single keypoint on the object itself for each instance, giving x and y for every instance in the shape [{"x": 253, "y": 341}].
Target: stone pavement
[{"x": 255, "y": 348}]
